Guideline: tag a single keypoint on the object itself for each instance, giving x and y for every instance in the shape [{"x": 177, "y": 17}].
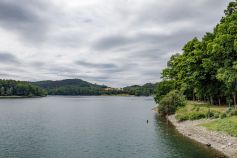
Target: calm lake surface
[{"x": 90, "y": 127}]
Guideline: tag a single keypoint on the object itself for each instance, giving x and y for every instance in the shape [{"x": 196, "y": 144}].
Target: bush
[
  {"x": 223, "y": 115},
  {"x": 216, "y": 115},
  {"x": 231, "y": 112},
  {"x": 212, "y": 114},
  {"x": 196, "y": 115},
  {"x": 170, "y": 102},
  {"x": 196, "y": 111},
  {"x": 181, "y": 117}
]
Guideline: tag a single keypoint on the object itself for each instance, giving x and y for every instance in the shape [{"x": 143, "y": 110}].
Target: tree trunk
[
  {"x": 211, "y": 100},
  {"x": 228, "y": 101},
  {"x": 234, "y": 98},
  {"x": 219, "y": 100}
]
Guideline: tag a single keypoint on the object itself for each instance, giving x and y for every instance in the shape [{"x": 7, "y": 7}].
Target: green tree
[
  {"x": 163, "y": 88},
  {"x": 170, "y": 102}
]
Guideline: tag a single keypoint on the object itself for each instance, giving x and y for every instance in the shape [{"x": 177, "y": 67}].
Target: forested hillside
[
  {"x": 207, "y": 68},
  {"x": 145, "y": 90},
  {"x": 20, "y": 88},
  {"x": 71, "y": 87},
  {"x": 80, "y": 87}
]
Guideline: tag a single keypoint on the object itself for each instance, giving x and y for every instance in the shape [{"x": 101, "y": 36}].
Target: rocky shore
[{"x": 217, "y": 140}]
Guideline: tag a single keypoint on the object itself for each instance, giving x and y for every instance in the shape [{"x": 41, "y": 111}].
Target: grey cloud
[
  {"x": 7, "y": 75},
  {"x": 182, "y": 10},
  {"x": 114, "y": 42},
  {"x": 6, "y": 57},
  {"x": 56, "y": 69},
  {"x": 111, "y": 41},
  {"x": 96, "y": 65},
  {"x": 127, "y": 34},
  {"x": 37, "y": 64},
  {"x": 108, "y": 68},
  {"x": 25, "y": 17}
]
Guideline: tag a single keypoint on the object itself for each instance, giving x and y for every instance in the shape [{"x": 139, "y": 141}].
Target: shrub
[
  {"x": 196, "y": 115},
  {"x": 170, "y": 102},
  {"x": 216, "y": 115},
  {"x": 233, "y": 112},
  {"x": 223, "y": 115},
  {"x": 181, "y": 117}
]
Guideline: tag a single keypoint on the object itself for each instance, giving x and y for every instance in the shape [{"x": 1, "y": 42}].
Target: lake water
[{"x": 90, "y": 127}]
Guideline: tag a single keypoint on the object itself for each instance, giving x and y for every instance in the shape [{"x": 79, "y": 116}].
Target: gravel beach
[{"x": 217, "y": 140}]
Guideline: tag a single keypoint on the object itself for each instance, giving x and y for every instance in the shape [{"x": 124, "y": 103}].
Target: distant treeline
[
  {"x": 80, "y": 87},
  {"x": 207, "y": 68},
  {"x": 20, "y": 88},
  {"x": 145, "y": 90}
]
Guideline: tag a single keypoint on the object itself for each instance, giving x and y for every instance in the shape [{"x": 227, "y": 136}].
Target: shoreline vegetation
[
  {"x": 211, "y": 125},
  {"x": 80, "y": 87},
  {"x": 19, "y": 97},
  {"x": 197, "y": 121},
  {"x": 20, "y": 89},
  {"x": 206, "y": 73},
  {"x": 69, "y": 87}
]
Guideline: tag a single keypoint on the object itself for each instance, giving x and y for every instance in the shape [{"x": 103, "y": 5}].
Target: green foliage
[
  {"x": 196, "y": 111},
  {"x": 231, "y": 112},
  {"x": 227, "y": 125},
  {"x": 163, "y": 88},
  {"x": 196, "y": 115},
  {"x": 170, "y": 102},
  {"x": 223, "y": 115},
  {"x": 145, "y": 90},
  {"x": 207, "y": 68},
  {"x": 232, "y": 8},
  {"x": 20, "y": 88}
]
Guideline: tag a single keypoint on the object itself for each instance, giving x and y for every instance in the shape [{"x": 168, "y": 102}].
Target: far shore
[
  {"x": 16, "y": 97},
  {"x": 220, "y": 141}
]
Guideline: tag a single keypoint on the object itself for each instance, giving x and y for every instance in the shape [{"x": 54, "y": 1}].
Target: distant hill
[
  {"x": 67, "y": 82},
  {"x": 71, "y": 87},
  {"x": 80, "y": 87}
]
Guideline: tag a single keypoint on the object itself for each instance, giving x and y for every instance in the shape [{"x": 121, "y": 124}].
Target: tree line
[
  {"x": 69, "y": 87},
  {"x": 80, "y": 87},
  {"x": 144, "y": 90},
  {"x": 206, "y": 70},
  {"x": 20, "y": 88}
]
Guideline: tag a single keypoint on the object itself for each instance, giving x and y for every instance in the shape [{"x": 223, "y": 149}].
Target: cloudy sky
[{"x": 113, "y": 42}]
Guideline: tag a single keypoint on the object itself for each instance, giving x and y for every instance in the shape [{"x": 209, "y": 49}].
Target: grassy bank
[
  {"x": 198, "y": 110},
  {"x": 224, "y": 118},
  {"x": 227, "y": 125}
]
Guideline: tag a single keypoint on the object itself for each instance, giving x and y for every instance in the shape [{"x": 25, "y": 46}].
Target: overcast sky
[{"x": 113, "y": 42}]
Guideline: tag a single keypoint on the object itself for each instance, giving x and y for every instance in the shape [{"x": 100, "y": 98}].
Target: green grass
[
  {"x": 227, "y": 125},
  {"x": 199, "y": 110}
]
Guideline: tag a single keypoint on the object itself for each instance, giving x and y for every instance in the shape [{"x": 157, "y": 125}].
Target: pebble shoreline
[{"x": 217, "y": 140}]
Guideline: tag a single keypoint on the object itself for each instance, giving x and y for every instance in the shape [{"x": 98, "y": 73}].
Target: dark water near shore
[{"x": 90, "y": 127}]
